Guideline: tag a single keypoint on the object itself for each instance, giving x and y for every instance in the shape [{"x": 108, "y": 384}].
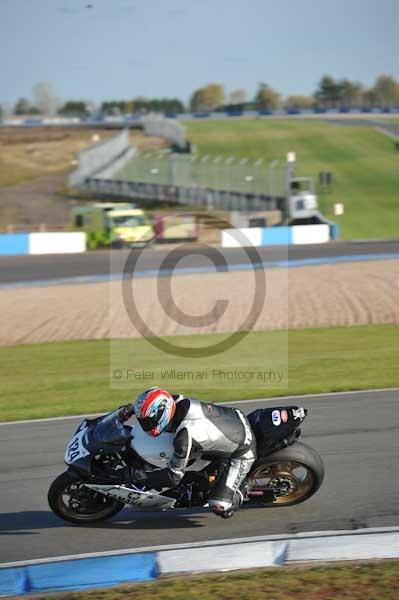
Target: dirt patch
[
  {"x": 317, "y": 296},
  {"x": 28, "y": 154},
  {"x": 34, "y": 203},
  {"x": 34, "y": 166}
]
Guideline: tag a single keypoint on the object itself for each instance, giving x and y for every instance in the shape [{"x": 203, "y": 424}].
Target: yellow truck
[{"x": 114, "y": 224}]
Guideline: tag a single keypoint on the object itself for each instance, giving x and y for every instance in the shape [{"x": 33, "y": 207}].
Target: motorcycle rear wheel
[
  {"x": 294, "y": 474},
  {"x": 70, "y": 500}
]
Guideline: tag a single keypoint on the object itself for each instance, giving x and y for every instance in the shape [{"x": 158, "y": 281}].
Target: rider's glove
[
  {"x": 138, "y": 476},
  {"x": 125, "y": 412}
]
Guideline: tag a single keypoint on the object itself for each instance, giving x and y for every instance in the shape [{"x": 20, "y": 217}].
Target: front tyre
[
  {"x": 289, "y": 476},
  {"x": 72, "y": 501}
]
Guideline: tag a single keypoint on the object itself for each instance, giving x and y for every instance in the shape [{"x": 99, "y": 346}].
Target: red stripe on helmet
[{"x": 150, "y": 398}]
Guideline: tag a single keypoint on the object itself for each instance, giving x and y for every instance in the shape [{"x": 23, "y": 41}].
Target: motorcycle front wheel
[
  {"x": 72, "y": 501},
  {"x": 287, "y": 477}
]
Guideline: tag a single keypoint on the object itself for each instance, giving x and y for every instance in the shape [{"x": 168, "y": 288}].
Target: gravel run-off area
[{"x": 312, "y": 296}]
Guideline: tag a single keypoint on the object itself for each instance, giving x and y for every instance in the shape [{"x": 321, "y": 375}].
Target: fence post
[
  {"x": 193, "y": 173},
  {"x": 203, "y": 161},
  {"x": 215, "y": 172},
  {"x": 272, "y": 191},
  {"x": 172, "y": 169},
  {"x": 228, "y": 163},
  {"x": 289, "y": 174},
  {"x": 257, "y": 181},
  {"x": 242, "y": 164}
]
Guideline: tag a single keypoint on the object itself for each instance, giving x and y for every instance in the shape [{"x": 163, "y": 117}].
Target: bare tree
[
  {"x": 91, "y": 107},
  {"x": 238, "y": 96},
  {"x": 45, "y": 98}
]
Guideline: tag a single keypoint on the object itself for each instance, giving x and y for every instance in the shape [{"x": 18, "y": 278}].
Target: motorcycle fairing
[
  {"x": 136, "y": 498},
  {"x": 76, "y": 448},
  {"x": 95, "y": 436},
  {"x": 273, "y": 424}
]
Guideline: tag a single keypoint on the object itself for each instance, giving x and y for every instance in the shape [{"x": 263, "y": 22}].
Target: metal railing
[
  {"x": 231, "y": 174},
  {"x": 208, "y": 198},
  {"x": 110, "y": 156}
]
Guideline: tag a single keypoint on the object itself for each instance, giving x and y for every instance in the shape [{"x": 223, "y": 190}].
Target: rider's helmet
[{"x": 154, "y": 410}]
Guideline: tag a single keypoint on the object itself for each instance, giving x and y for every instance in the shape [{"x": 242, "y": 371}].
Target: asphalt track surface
[
  {"x": 357, "y": 435},
  {"x": 390, "y": 127},
  {"x": 14, "y": 269}
]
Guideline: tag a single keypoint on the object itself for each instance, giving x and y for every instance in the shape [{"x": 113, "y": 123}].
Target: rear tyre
[
  {"x": 70, "y": 500},
  {"x": 287, "y": 477}
]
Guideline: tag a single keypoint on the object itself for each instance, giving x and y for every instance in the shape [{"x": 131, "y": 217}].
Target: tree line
[{"x": 330, "y": 93}]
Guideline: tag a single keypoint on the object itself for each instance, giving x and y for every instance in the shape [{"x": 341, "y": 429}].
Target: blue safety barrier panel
[
  {"x": 334, "y": 231},
  {"x": 14, "y": 243},
  {"x": 32, "y": 122},
  {"x": 276, "y": 235},
  {"x": 103, "y": 571}
]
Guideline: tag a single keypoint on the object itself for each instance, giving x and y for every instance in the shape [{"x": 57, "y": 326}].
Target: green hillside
[{"x": 365, "y": 164}]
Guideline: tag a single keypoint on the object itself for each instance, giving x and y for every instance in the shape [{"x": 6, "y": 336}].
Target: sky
[{"x": 119, "y": 49}]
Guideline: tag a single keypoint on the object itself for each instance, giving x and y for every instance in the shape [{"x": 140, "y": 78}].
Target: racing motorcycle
[{"x": 103, "y": 451}]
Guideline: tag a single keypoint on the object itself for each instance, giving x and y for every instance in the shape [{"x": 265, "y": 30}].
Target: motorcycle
[{"x": 103, "y": 450}]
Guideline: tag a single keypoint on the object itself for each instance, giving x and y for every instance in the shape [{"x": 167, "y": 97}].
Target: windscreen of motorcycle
[{"x": 155, "y": 450}]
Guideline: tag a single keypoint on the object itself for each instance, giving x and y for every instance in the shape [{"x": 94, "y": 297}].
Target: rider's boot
[{"x": 226, "y": 508}]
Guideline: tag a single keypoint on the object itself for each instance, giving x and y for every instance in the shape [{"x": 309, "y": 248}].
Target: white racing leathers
[{"x": 214, "y": 431}]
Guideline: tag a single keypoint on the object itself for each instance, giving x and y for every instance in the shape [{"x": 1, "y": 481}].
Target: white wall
[
  {"x": 310, "y": 234},
  {"x": 246, "y": 236},
  {"x": 57, "y": 242},
  {"x": 98, "y": 156},
  {"x": 167, "y": 128}
]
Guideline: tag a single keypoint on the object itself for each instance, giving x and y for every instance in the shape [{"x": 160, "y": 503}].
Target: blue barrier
[
  {"x": 334, "y": 231},
  {"x": 276, "y": 235},
  {"x": 279, "y": 235},
  {"x": 102, "y": 571},
  {"x": 14, "y": 243},
  {"x": 32, "y": 122},
  {"x": 259, "y": 551}
]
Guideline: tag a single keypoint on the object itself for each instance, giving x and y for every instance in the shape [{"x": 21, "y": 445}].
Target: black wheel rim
[{"x": 81, "y": 503}]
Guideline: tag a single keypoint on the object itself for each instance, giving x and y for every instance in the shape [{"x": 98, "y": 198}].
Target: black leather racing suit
[{"x": 217, "y": 431}]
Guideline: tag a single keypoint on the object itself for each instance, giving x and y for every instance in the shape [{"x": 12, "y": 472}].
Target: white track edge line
[
  {"x": 271, "y": 399},
  {"x": 210, "y": 543}
]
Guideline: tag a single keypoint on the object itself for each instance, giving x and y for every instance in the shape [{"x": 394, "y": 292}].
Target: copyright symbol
[
  {"x": 170, "y": 308},
  {"x": 117, "y": 374}
]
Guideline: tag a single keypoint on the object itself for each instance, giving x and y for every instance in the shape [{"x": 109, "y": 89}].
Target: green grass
[
  {"x": 55, "y": 379},
  {"x": 364, "y": 162},
  {"x": 344, "y": 582}
]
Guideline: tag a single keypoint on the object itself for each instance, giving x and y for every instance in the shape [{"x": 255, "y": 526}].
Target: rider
[{"x": 199, "y": 428}]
